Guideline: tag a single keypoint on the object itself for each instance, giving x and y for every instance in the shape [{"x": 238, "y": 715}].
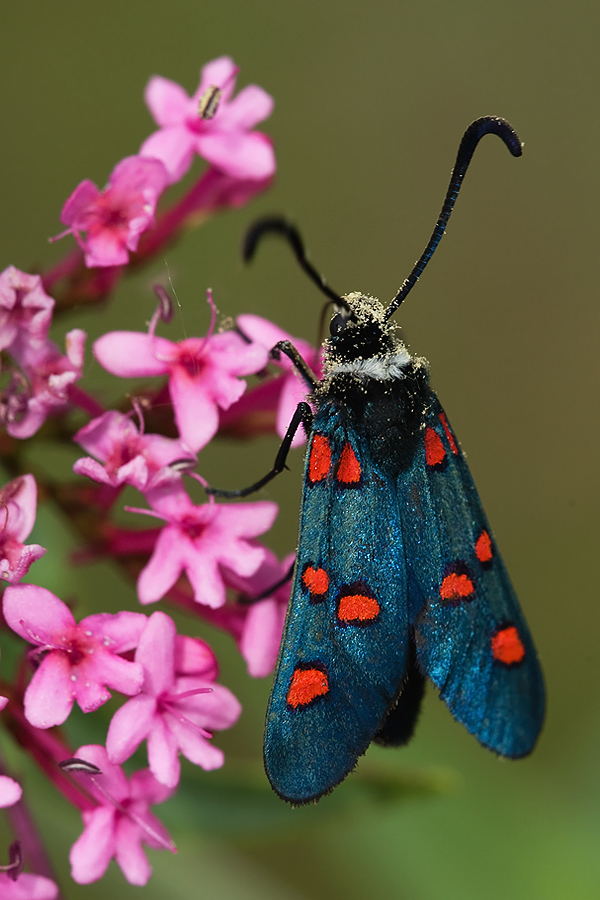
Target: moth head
[{"x": 358, "y": 330}]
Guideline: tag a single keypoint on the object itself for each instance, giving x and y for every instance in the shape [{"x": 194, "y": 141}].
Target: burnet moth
[{"x": 397, "y": 575}]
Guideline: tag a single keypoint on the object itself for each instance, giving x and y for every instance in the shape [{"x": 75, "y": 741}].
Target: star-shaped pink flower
[
  {"x": 42, "y": 385},
  {"x": 174, "y": 711},
  {"x": 204, "y": 373},
  {"x": 128, "y": 456},
  {"x": 114, "y": 218},
  {"x": 25, "y": 312},
  {"x": 225, "y": 140},
  {"x": 198, "y": 540},
  {"x": 76, "y": 662},
  {"x": 121, "y": 822},
  {"x": 18, "y": 501}
]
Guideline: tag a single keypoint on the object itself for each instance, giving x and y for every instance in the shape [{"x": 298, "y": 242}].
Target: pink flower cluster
[{"x": 203, "y": 556}]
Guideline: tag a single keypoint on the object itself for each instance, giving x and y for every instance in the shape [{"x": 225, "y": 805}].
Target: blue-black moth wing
[
  {"x": 344, "y": 648},
  {"x": 471, "y": 636}
]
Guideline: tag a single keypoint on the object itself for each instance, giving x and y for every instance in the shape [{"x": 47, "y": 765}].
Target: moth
[{"x": 397, "y": 575}]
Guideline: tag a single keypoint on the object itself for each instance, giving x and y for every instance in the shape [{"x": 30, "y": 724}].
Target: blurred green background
[{"x": 371, "y": 101}]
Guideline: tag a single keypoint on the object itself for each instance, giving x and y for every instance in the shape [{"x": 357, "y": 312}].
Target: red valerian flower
[
  {"x": 18, "y": 500},
  {"x": 114, "y": 218},
  {"x": 76, "y": 662},
  {"x": 174, "y": 711},
  {"x": 25, "y": 312},
  {"x": 223, "y": 139}
]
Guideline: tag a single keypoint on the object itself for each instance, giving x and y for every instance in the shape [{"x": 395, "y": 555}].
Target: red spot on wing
[
  {"x": 320, "y": 458},
  {"x": 449, "y": 434},
  {"x": 349, "y": 470},
  {"x": 357, "y": 609},
  {"x": 434, "y": 449},
  {"x": 315, "y": 580},
  {"x": 457, "y": 586},
  {"x": 483, "y": 548},
  {"x": 306, "y": 685},
  {"x": 507, "y": 646}
]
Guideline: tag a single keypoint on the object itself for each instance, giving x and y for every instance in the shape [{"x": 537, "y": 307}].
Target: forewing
[
  {"x": 470, "y": 633},
  {"x": 343, "y": 653}
]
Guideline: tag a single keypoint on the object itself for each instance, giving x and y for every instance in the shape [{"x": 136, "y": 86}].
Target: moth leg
[
  {"x": 290, "y": 351},
  {"x": 302, "y": 415}
]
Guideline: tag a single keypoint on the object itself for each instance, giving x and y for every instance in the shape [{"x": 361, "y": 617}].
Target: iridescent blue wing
[
  {"x": 471, "y": 636},
  {"x": 344, "y": 648}
]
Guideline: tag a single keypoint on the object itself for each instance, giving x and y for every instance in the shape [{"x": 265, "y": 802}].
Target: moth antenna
[
  {"x": 476, "y": 130},
  {"x": 279, "y": 225}
]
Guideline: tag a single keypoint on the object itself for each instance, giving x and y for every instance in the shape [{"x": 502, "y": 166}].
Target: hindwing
[
  {"x": 344, "y": 648},
  {"x": 471, "y": 636}
]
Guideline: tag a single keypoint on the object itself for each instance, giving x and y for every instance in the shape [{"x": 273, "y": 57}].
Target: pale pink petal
[
  {"x": 35, "y": 613},
  {"x": 259, "y": 644},
  {"x": 10, "y": 791},
  {"x": 219, "y": 72},
  {"x": 95, "y": 673},
  {"x": 136, "y": 175},
  {"x": 247, "y": 519},
  {"x": 164, "y": 567},
  {"x": 196, "y": 415},
  {"x": 94, "y": 849},
  {"x": 129, "y": 726},
  {"x": 174, "y": 147},
  {"x": 242, "y": 557},
  {"x": 263, "y": 332},
  {"x": 105, "y": 248},
  {"x": 100, "y": 436},
  {"x": 195, "y": 747},
  {"x": 132, "y": 354},
  {"x": 20, "y": 495},
  {"x": 92, "y": 469},
  {"x": 129, "y": 854},
  {"x": 162, "y": 753},
  {"x": 144, "y": 787},
  {"x": 27, "y": 887},
  {"x": 206, "y": 580},
  {"x": 123, "y": 629},
  {"x": 166, "y": 100},
  {"x": 28, "y": 555},
  {"x": 79, "y": 201},
  {"x": 194, "y": 657},
  {"x": 240, "y": 154},
  {"x": 251, "y": 106},
  {"x": 214, "y": 710},
  {"x": 75, "y": 346},
  {"x": 156, "y": 653},
  {"x": 3, "y": 702},
  {"x": 49, "y": 695}
]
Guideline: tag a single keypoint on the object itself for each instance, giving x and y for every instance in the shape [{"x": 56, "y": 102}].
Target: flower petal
[
  {"x": 259, "y": 644},
  {"x": 79, "y": 201},
  {"x": 251, "y": 106},
  {"x": 10, "y": 791},
  {"x": 164, "y": 567},
  {"x": 94, "y": 849},
  {"x": 174, "y": 147},
  {"x": 129, "y": 726},
  {"x": 156, "y": 654},
  {"x": 166, "y": 100},
  {"x": 35, "y": 613},
  {"x": 132, "y": 354},
  {"x": 195, "y": 412},
  {"x": 162, "y": 752},
  {"x": 129, "y": 853},
  {"x": 241, "y": 154},
  {"x": 50, "y": 694}
]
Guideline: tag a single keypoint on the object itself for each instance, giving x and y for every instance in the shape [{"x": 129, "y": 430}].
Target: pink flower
[
  {"x": 18, "y": 506},
  {"x": 25, "y": 312},
  {"x": 260, "y": 634},
  {"x": 42, "y": 386},
  {"x": 225, "y": 140},
  {"x": 198, "y": 540},
  {"x": 27, "y": 887},
  {"x": 10, "y": 791},
  {"x": 173, "y": 711},
  {"x": 128, "y": 456},
  {"x": 76, "y": 662},
  {"x": 115, "y": 218},
  {"x": 121, "y": 822},
  {"x": 203, "y": 372},
  {"x": 293, "y": 389}
]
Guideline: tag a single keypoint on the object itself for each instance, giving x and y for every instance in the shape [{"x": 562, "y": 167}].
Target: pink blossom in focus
[
  {"x": 204, "y": 373},
  {"x": 42, "y": 385},
  {"x": 173, "y": 713},
  {"x": 128, "y": 456},
  {"x": 115, "y": 218},
  {"x": 198, "y": 540},
  {"x": 121, "y": 822},
  {"x": 224, "y": 140},
  {"x": 25, "y": 312},
  {"x": 18, "y": 501},
  {"x": 262, "y": 627},
  {"x": 76, "y": 662},
  {"x": 293, "y": 390},
  {"x": 27, "y": 887}
]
